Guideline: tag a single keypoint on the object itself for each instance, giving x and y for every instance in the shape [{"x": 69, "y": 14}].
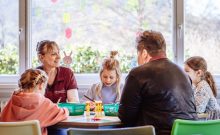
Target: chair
[
  {"x": 190, "y": 127},
  {"x": 31, "y": 127},
  {"x": 3, "y": 102},
  {"x": 142, "y": 130}
]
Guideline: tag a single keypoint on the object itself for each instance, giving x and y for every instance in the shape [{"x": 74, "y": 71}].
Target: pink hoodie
[{"x": 31, "y": 106}]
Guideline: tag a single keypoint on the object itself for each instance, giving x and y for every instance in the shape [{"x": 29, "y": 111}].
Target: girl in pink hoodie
[{"x": 29, "y": 103}]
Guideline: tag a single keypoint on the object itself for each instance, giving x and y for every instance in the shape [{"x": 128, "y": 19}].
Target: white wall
[{"x": 84, "y": 83}]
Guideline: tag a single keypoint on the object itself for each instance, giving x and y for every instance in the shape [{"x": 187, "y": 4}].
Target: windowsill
[{"x": 83, "y": 80}]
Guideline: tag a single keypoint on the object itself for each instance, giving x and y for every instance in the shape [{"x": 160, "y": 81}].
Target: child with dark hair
[{"x": 205, "y": 90}]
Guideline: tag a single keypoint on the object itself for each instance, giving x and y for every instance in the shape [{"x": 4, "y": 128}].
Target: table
[
  {"x": 84, "y": 122},
  {"x": 88, "y": 122},
  {"x": 202, "y": 116}
]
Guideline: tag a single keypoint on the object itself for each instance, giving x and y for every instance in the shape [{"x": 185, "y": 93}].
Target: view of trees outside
[
  {"x": 9, "y": 40},
  {"x": 202, "y": 24},
  {"x": 92, "y": 28}
]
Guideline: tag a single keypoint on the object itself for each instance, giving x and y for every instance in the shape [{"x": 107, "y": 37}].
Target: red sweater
[{"x": 33, "y": 106}]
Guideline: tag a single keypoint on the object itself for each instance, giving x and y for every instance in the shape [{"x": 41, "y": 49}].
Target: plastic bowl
[
  {"x": 111, "y": 109},
  {"x": 74, "y": 108}
]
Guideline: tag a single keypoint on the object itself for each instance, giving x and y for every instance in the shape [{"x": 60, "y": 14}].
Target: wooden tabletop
[
  {"x": 88, "y": 122},
  {"x": 202, "y": 115}
]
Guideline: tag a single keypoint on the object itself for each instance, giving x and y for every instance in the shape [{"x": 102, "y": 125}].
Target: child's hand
[{"x": 92, "y": 106}]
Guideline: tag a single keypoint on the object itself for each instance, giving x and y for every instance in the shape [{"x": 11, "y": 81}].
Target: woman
[
  {"x": 62, "y": 85},
  {"x": 205, "y": 91}
]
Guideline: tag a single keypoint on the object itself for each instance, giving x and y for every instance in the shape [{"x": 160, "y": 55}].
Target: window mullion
[
  {"x": 22, "y": 35},
  {"x": 178, "y": 31}
]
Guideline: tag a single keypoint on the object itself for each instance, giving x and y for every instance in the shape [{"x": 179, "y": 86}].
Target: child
[
  {"x": 203, "y": 83},
  {"x": 109, "y": 89},
  {"x": 29, "y": 103}
]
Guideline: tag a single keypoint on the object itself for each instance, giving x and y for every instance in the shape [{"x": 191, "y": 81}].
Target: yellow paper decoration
[{"x": 66, "y": 17}]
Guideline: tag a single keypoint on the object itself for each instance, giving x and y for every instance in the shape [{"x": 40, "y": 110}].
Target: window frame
[{"x": 12, "y": 79}]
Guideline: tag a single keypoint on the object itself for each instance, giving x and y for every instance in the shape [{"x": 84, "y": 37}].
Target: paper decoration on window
[
  {"x": 66, "y": 17},
  {"x": 37, "y": 12},
  {"x": 54, "y": 1},
  {"x": 67, "y": 60},
  {"x": 68, "y": 33}
]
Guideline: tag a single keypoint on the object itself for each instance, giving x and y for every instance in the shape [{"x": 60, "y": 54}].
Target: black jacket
[{"x": 157, "y": 93}]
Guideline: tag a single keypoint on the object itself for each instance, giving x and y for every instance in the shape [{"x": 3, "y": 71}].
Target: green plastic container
[
  {"x": 111, "y": 109},
  {"x": 74, "y": 108}
]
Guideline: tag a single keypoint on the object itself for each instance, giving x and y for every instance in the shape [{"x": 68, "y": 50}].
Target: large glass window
[
  {"x": 92, "y": 28},
  {"x": 202, "y": 21},
  {"x": 9, "y": 37}
]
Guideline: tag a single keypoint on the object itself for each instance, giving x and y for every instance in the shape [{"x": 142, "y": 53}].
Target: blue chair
[
  {"x": 192, "y": 127},
  {"x": 141, "y": 130}
]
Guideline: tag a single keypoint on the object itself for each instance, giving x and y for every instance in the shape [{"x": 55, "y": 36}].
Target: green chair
[
  {"x": 141, "y": 130},
  {"x": 31, "y": 127},
  {"x": 192, "y": 127}
]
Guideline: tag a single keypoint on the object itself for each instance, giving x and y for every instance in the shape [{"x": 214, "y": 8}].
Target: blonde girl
[
  {"x": 29, "y": 103},
  {"x": 109, "y": 89}
]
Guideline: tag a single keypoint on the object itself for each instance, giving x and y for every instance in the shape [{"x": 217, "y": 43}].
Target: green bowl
[
  {"x": 74, "y": 108},
  {"x": 111, "y": 109}
]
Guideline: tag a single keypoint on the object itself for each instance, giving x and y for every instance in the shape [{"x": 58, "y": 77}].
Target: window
[
  {"x": 91, "y": 29},
  {"x": 202, "y": 21},
  {"x": 9, "y": 37}
]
